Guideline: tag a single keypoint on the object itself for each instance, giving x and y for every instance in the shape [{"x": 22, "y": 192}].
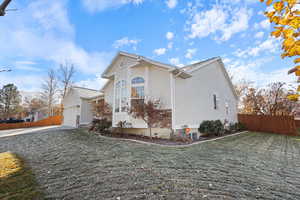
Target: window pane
[
  {"x": 137, "y": 92},
  {"x": 123, "y": 96},
  {"x": 215, "y": 101},
  {"x": 117, "y": 100}
]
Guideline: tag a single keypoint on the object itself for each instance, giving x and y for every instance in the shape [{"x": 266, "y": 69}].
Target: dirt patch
[{"x": 75, "y": 164}]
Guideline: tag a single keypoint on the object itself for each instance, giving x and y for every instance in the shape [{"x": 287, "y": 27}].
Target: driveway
[
  {"x": 73, "y": 164},
  {"x": 20, "y": 131}
]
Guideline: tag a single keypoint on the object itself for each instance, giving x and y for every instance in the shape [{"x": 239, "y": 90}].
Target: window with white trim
[
  {"x": 117, "y": 98},
  {"x": 121, "y": 96},
  {"x": 137, "y": 90}
]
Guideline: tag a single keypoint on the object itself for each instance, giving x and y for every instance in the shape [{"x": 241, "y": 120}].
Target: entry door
[{"x": 77, "y": 120}]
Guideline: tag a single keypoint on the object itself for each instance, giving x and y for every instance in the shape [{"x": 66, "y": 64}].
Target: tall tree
[
  {"x": 10, "y": 99},
  {"x": 286, "y": 18},
  {"x": 67, "y": 72},
  {"x": 34, "y": 104},
  {"x": 268, "y": 101},
  {"x": 3, "y": 6},
  {"x": 50, "y": 89}
]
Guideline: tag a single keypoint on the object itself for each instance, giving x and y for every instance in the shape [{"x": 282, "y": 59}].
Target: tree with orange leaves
[{"x": 286, "y": 18}]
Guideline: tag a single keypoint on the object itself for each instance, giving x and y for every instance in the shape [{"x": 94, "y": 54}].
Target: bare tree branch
[
  {"x": 50, "y": 88},
  {"x": 67, "y": 72}
]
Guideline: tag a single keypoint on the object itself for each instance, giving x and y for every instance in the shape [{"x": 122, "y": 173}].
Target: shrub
[
  {"x": 236, "y": 127},
  {"x": 101, "y": 125},
  {"x": 212, "y": 127}
]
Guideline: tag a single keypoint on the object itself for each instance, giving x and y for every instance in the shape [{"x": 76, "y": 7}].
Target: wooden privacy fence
[
  {"x": 54, "y": 120},
  {"x": 297, "y": 123},
  {"x": 267, "y": 123}
]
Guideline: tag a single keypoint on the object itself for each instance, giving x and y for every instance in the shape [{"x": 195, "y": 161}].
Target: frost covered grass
[{"x": 75, "y": 164}]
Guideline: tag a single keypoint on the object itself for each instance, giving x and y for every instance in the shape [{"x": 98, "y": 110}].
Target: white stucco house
[
  {"x": 77, "y": 107},
  {"x": 190, "y": 94}
]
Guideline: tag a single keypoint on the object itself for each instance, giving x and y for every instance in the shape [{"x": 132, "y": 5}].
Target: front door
[{"x": 77, "y": 120}]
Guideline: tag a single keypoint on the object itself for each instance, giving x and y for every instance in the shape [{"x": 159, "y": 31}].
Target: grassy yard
[
  {"x": 75, "y": 164},
  {"x": 16, "y": 181}
]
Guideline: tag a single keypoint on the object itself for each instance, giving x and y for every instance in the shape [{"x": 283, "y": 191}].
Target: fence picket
[
  {"x": 54, "y": 120},
  {"x": 267, "y": 123}
]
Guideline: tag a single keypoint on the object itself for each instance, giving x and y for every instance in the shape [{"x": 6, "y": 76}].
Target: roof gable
[
  {"x": 81, "y": 92},
  {"x": 128, "y": 59},
  {"x": 198, "y": 66}
]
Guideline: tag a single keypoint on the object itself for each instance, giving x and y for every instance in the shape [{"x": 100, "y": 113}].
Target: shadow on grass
[{"x": 20, "y": 184}]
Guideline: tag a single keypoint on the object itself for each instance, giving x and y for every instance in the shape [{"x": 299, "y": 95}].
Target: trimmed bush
[
  {"x": 212, "y": 127},
  {"x": 236, "y": 127},
  {"x": 101, "y": 125}
]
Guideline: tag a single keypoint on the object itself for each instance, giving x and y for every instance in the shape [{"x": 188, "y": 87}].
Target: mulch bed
[{"x": 176, "y": 141}]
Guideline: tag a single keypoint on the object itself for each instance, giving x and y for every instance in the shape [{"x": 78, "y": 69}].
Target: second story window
[{"x": 137, "y": 89}]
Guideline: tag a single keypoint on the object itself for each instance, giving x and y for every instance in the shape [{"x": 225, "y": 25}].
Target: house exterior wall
[
  {"x": 86, "y": 113},
  {"x": 71, "y": 105},
  {"x": 193, "y": 98},
  {"x": 157, "y": 86},
  {"x": 156, "y": 132},
  {"x": 109, "y": 93}
]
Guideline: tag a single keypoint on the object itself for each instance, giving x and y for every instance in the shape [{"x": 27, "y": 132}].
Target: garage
[{"x": 77, "y": 106}]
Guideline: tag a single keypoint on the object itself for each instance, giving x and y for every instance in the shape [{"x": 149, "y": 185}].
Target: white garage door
[{"x": 70, "y": 115}]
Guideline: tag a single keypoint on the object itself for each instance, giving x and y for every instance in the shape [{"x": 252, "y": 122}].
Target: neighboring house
[
  {"x": 77, "y": 109},
  {"x": 191, "y": 94}
]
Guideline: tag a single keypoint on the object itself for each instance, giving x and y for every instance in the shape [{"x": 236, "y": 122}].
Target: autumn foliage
[{"x": 286, "y": 18}]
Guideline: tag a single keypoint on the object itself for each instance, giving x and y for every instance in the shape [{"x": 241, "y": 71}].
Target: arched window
[
  {"x": 137, "y": 80},
  {"x": 137, "y": 88}
]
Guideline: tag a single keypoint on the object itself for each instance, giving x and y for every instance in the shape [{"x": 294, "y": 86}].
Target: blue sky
[{"x": 44, "y": 33}]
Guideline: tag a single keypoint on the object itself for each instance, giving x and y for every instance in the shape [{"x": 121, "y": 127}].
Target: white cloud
[
  {"x": 170, "y": 45},
  {"x": 175, "y": 61},
  {"x": 25, "y": 62},
  {"x": 28, "y": 68},
  {"x": 160, "y": 51},
  {"x": 169, "y": 35},
  {"x": 264, "y": 24},
  {"x": 270, "y": 45},
  {"x": 259, "y": 34},
  {"x": 171, "y": 3},
  {"x": 101, "y": 5},
  {"x": 125, "y": 41},
  {"x": 221, "y": 21},
  {"x": 92, "y": 83},
  {"x": 43, "y": 32},
  {"x": 190, "y": 53},
  {"x": 29, "y": 82},
  {"x": 239, "y": 23},
  {"x": 253, "y": 71},
  {"x": 207, "y": 22}
]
